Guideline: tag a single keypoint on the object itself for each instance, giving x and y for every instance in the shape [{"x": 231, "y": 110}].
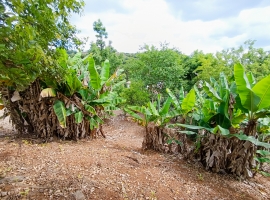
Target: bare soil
[{"x": 111, "y": 168}]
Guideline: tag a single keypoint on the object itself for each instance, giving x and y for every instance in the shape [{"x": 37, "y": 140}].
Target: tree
[
  {"x": 158, "y": 69},
  {"x": 135, "y": 94},
  {"x": 101, "y": 51},
  {"x": 101, "y": 32},
  {"x": 30, "y": 31}
]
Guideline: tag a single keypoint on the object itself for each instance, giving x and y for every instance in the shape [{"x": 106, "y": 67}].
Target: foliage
[
  {"x": 87, "y": 93},
  {"x": 185, "y": 104},
  {"x": 153, "y": 112},
  {"x": 203, "y": 66},
  {"x": 101, "y": 51},
  {"x": 135, "y": 94},
  {"x": 158, "y": 69},
  {"x": 101, "y": 32},
  {"x": 231, "y": 110},
  {"x": 29, "y": 32}
]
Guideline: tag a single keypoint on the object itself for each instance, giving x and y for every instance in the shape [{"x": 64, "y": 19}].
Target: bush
[{"x": 136, "y": 94}]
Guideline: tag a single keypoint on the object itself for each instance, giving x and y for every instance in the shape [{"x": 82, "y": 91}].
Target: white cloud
[{"x": 152, "y": 22}]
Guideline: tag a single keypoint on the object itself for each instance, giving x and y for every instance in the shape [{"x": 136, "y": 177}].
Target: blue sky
[{"x": 207, "y": 25}]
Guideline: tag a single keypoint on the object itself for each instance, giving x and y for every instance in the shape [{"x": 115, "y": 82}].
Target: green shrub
[{"x": 136, "y": 94}]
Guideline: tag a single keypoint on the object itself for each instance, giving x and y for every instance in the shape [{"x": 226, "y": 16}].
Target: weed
[{"x": 200, "y": 176}]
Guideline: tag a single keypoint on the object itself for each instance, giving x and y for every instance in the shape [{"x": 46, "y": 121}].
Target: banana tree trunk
[
  {"x": 166, "y": 140},
  {"x": 228, "y": 155},
  {"x": 35, "y": 116}
]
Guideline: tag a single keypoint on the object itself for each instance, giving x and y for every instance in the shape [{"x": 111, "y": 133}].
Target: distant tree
[
  {"x": 101, "y": 51},
  {"x": 208, "y": 66},
  {"x": 101, "y": 34},
  {"x": 157, "y": 68},
  {"x": 255, "y": 60},
  {"x": 136, "y": 94}
]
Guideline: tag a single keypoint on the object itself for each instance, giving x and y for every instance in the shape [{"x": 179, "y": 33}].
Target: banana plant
[
  {"x": 86, "y": 93},
  {"x": 252, "y": 99},
  {"x": 185, "y": 104},
  {"x": 153, "y": 112},
  {"x": 227, "y": 106}
]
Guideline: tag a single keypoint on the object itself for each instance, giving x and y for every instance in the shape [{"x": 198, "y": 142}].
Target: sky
[{"x": 188, "y": 25}]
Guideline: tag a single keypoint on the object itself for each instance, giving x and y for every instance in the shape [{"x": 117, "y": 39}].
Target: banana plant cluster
[
  {"x": 161, "y": 115},
  {"x": 152, "y": 113},
  {"x": 87, "y": 94},
  {"x": 222, "y": 110},
  {"x": 233, "y": 110}
]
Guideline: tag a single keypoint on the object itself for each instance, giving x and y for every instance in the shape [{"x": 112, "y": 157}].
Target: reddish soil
[{"x": 111, "y": 168}]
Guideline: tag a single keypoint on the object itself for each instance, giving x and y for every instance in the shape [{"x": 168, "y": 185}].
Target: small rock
[
  {"x": 79, "y": 195},
  {"x": 12, "y": 158},
  {"x": 13, "y": 179},
  {"x": 3, "y": 194}
]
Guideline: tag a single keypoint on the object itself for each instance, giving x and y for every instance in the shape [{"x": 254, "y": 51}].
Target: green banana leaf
[
  {"x": 198, "y": 94},
  {"x": 84, "y": 93},
  {"x": 133, "y": 114},
  {"x": 238, "y": 119},
  {"x": 73, "y": 82},
  {"x": 263, "y": 152},
  {"x": 78, "y": 117},
  {"x": 153, "y": 109},
  {"x": 262, "y": 114},
  {"x": 188, "y": 132},
  {"x": 90, "y": 109},
  {"x": 62, "y": 58},
  {"x": 141, "y": 109},
  {"x": 211, "y": 92},
  {"x": 249, "y": 99},
  {"x": 224, "y": 105},
  {"x": 75, "y": 59},
  {"x": 189, "y": 102},
  {"x": 225, "y": 132},
  {"x": 174, "y": 99},
  {"x": 239, "y": 104},
  {"x": 251, "y": 79},
  {"x": 193, "y": 127},
  {"x": 221, "y": 120},
  {"x": 166, "y": 107},
  {"x": 223, "y": 87},
  {"x": 95, "y": 80},
  {"x": 105, "y": 72},
  {"x": 93, "y": 123},
  {"x": 60, "y": 111},
  {"x": 223, "y": 81},
  {"x": 262, "y": 89},
  {"x": 252, "y": 139},
  {"x": 98, "y": 119},
  {"x": 181, "y": 95}
]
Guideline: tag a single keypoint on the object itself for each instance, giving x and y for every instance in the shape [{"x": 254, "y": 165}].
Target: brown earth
[{"x": 111, "y": 168}]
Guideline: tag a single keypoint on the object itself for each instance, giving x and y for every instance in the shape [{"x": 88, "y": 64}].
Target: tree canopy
[{"x": 30, "y": 31}]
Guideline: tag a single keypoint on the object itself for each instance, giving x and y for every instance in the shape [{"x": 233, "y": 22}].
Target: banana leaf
[
  {"x": 262, "y": 89},
  {"x": 95, "y": 80},
  {"x": 60, "y": 111},
  {"x": 249, "y": 99},
  {"x": 188, "y": 102},
  {"x": 105, "y": 72},
  {"x": 78, "y": 117}
]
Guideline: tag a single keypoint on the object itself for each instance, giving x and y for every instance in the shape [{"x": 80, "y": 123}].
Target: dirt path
[{"x": 111, "y": 168}]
